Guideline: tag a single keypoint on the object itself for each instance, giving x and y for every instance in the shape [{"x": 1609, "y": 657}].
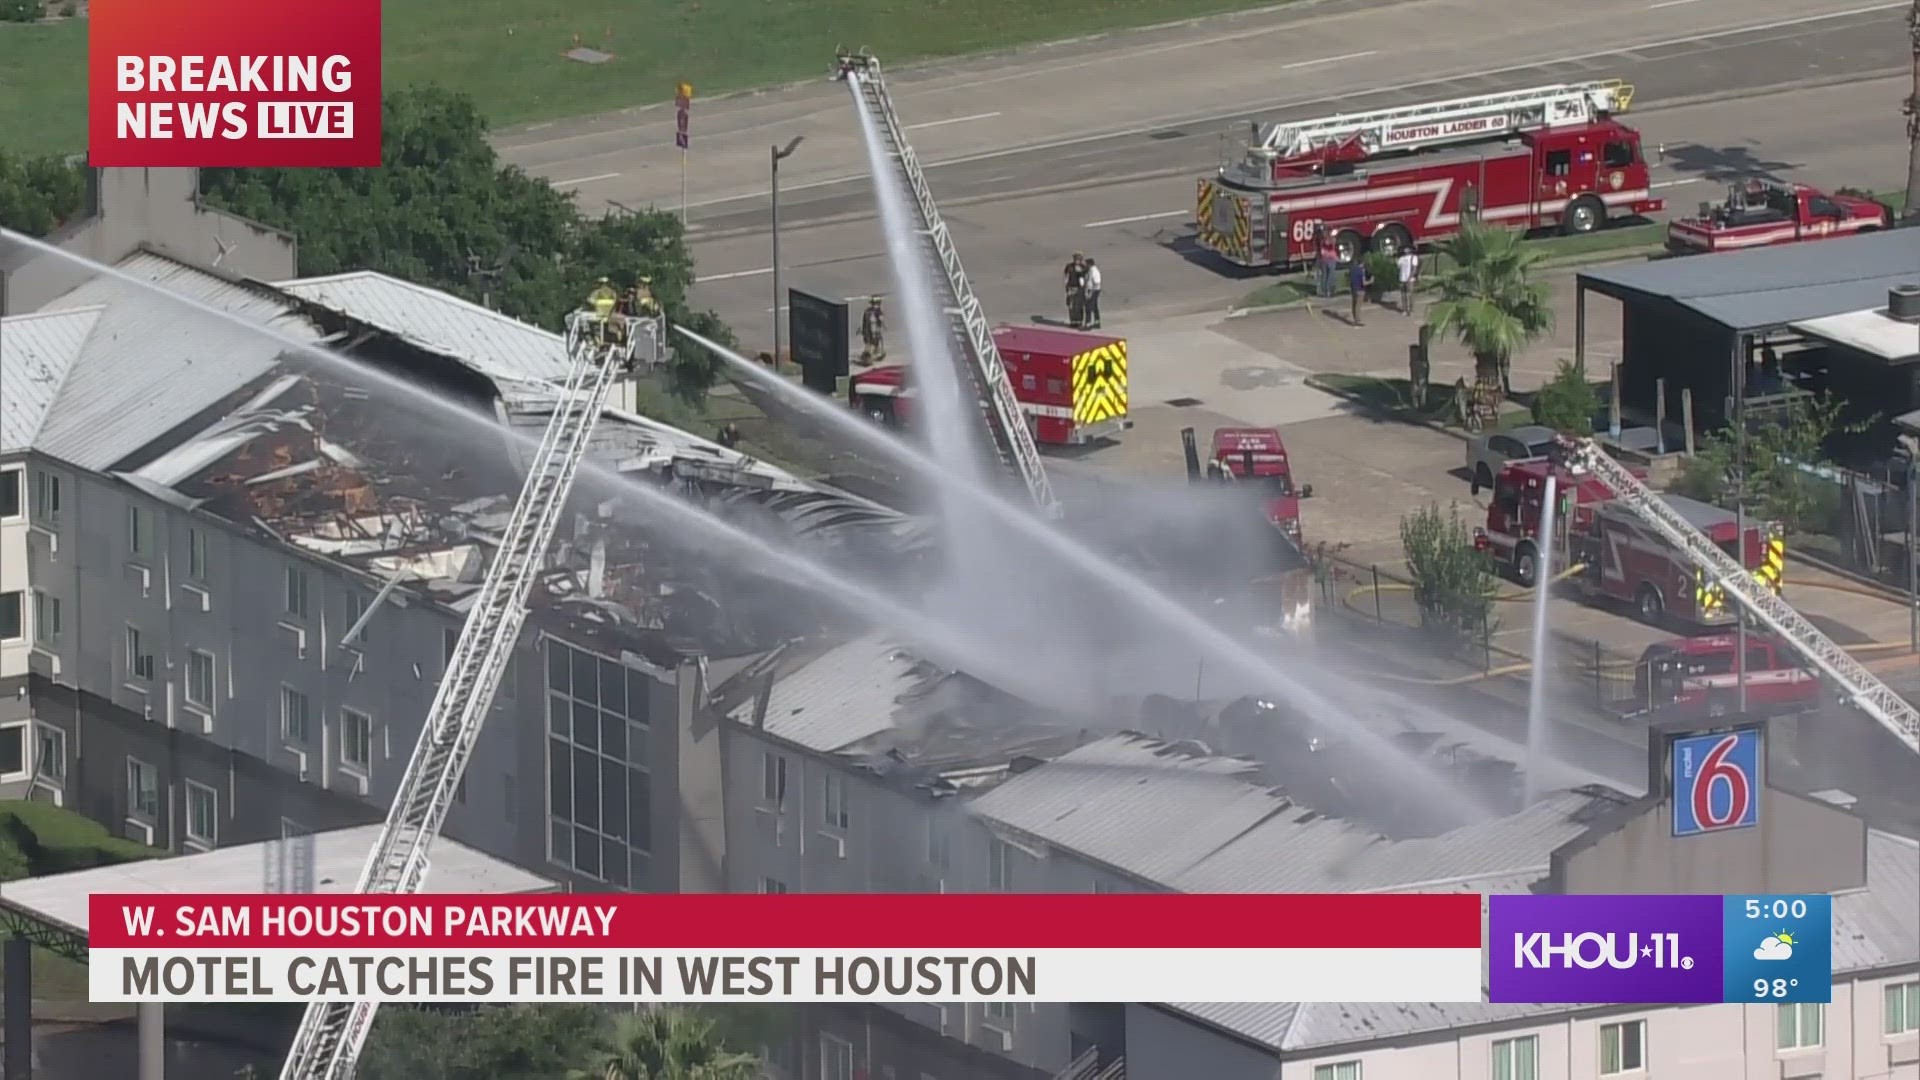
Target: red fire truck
[
  {"x": 1625, "y": 560},
  {"x": 1072, "y": 385},
  {"x": 1764, "y": 212},
  {"x": 1549, "y": 156},
  {"x": 1698, "y": 676},
  {"x": 1260, "y": 455}
]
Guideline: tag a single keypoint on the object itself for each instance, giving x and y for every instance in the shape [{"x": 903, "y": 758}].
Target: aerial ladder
[
  {"x": 1862, "y": 689},
  {"x": 983, "y": 372},
  {"x": 1357, "y": 136},
  {"x": 332, "y": 1034}
]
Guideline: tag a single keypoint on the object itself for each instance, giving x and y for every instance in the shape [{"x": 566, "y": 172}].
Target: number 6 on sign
[{"x": 1716, "y": 782}]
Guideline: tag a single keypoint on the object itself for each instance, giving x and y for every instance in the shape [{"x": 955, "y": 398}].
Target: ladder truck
[
  {"x": 1388, "y": 179},
  {"x": 982, "y": 371},
  {"x": 1753, "y": 593},
  {"x": 332, "y": 1034}
]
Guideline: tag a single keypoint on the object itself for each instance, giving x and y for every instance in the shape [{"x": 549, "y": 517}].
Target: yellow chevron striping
[{"x": 1100, "y": 384}]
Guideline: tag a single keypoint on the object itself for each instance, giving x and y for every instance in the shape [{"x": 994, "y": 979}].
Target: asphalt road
[{"x": 1788, "y": 101}]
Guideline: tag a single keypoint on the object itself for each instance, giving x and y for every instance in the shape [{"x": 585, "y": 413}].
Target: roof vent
[{"x": 1903, "y": 302}]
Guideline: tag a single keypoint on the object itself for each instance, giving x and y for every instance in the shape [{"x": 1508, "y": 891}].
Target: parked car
[{"x": 1487, "y": 452}]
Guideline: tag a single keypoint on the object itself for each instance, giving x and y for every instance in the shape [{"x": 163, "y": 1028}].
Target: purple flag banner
[{"x": 1605, "y": 949}]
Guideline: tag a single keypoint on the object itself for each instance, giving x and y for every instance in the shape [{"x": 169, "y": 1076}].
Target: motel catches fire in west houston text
[{"x": 200, "y": 97}]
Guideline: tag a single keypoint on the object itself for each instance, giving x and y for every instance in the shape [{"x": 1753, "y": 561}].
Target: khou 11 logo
[{"x": 1605, "y": 949}]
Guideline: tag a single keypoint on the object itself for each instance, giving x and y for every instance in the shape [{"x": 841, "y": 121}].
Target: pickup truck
[
  {"x": 1766, "y": 212},
  {"x": 1697, "y": 677}
]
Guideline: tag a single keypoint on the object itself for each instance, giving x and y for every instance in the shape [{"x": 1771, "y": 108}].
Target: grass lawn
[
  {"x": 1393, "y": 398},
  {"x": 40, "y": 838},
  {"x": 506, "y": 53}
]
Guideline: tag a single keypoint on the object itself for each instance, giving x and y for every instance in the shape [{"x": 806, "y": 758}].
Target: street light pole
[{"x": 775, "y": 155}]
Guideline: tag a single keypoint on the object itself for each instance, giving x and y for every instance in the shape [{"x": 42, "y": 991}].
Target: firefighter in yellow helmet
[
  {"x": 873, "y": 333},
  {"x": 644, "y": 304},
  {"x": 601, "y": 302}
]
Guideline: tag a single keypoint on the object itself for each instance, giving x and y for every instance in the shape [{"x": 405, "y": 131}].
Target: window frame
[
  {"x": 44, "y": 499},
  {"x": 999, "y": 865},
  {"x": 833, "y": 789},
  {"x": 196, "y": 553},
  {"x": 1798, "y": 1026},
  {"x": 348, "y": 718},
  {"x": 43, "y": 734},
  {"x": 1338, "y": 1070},
  {"x": 136, "y": 769},
  {"x": 46, "y": 608},
  {"x": 1639, "y": 1065},
  {"x": 1512, "y": 1062},
  {"x": 841, "y": 1049},
  {"x": 23, "y": 729},
  {"x": 1909, "y": 994},
  {"x": 139, "y": 661},
  {"x": 297, "y": 601},
  {"x": 12, "y": 479},
  {"x": 17, "y": 598},
  {"x": 304, "y": 737},
  {"x": 773, "y": 780},
  {"x": 213, "y": 679},
  {"x": 211, "y": 838},
  {"x": 139, "y": 532}
]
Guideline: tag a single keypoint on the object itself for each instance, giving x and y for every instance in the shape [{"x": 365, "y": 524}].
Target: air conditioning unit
[
  {"x": 135, "y": 829},
  {"x": 997, "y": 1038},
  {"x": 830, "y": 845}
]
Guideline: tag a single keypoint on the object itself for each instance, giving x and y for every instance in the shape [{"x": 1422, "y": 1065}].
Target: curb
[{"x": 1878, "y": 588}]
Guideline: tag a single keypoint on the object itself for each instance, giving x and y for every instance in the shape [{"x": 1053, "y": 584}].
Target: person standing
[
  {"x": 1093, "y": 295},
  {"x": 1408, "y": 268},
  {"x": 1326, "y": 259},
  {"x": 873, "y": 334},
  {"x": 1358, "y": 281},
  {"x": 1075, "y": 276}
]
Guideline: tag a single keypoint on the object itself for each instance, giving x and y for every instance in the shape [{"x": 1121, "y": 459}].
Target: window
[
  {"x": 1623, "y": 1047},
  {"x": 773, "y": 780},
  {"x": 836, "y": 1058},
  {"x": 139, "y": 660},
  {"x": 833, "y": 802},
  {"x": 10, "y": 493},
  {"x": 1617, "y": 155},
  {"x": 139, "y": 531},
  {"x": 772, "y": 887},
  {"x": 203, "y": 819},
  {"x": 297, "y": 592},
  {"x": 196, "y": 555},
  {"x": 1342, "y": 1070},
  {"x": 939, "y": 844},
  {"x": 13, "y": 750},
  {"x": 143, "y": 788},
  {"x": 1824, "y": 208},
  {"x": 46, "y": 498},
  {"x": 356, "y": 740},
  {"x": 294, "y": 717},
  {"x": 46, "y": 618},
  {"x": 1903, "y": 1008},
  {"x": 200, "y": 678},
  {"x": 1798, "y": 1027},
  {"x": 1559, "y": 162},
  {"x": 359, "y": 602},
  {"x": 449, "y": 640},
  {"x": 599, "y": 795},
  {"x": 10, "y": 616},
  {"x": 999, "y": 1010},
  {"x": 51, "y": 762},
  {"x": 999, "y": 865},
  {"x": 1517, "y": 1059}
]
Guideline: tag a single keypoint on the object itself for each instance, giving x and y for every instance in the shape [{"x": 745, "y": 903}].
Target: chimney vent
[{"x": 1903, "y": 302}]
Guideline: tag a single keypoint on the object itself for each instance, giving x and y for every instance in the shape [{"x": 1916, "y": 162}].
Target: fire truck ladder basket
[
  {"x": 1865, "y": 691},
  {"x": 972, "y": 338},
  {"x": 1459, "y": 120},
  {"x": 332, "y": 1035}
]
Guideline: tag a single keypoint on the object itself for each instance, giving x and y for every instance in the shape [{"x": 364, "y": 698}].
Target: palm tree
[
  {"x": 1489, "y": 300},
  {"x": 664, "y": 1044}
]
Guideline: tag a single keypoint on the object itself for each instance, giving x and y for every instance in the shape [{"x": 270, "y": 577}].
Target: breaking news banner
[
  {"x": 791, "y": 947},
  {"x": 1679, "y": 950},
  {"x": 233, "y": 83}
]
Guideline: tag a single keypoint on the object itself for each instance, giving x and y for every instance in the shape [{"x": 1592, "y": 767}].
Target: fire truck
[
  {"x": 1384, "y": 180},
  {"x": 1764, "y": 212},
  {"x": 1260, "y": 455},
  {"x": 1625, "y": 561},
  {"x": 1071, "y": 385}
]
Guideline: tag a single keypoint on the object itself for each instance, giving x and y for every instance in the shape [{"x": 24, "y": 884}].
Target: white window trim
[
  {"x": 1333, "y": 1069},
  {"x": 42, "y": 731},
  {"x": 139, "y": 527},
  {"x": 196, "y": 545},
  {"x": 27, "y": 747},
  {"x": 134, "y": 809},
  {"x": 773, "y": 767},
  {"x": 212, "y": 840},
  {"x": 1512, "y": 1044},
  {"x": 1908, "y": 988},
  {"x": 833, "y": 795},
  {"x": 286, "y": 732},
  {"x": 364, "y": 767},
  {"x": 213, "y": 681},
  {"x": 1799, "y": 1029},
  {"x": 1600, "y": 1049}
]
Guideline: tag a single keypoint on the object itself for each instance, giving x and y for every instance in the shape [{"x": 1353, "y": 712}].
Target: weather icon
[{"x": 1775, "y": 947}]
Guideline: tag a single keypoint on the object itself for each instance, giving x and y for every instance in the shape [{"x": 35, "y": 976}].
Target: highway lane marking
[
  {"x": 585, "y": 179},
  {"x": 735, "y": 274},
  {"x": 1670, "y": 3},
  {"x": 1136, "y": 217},
  {"x": 1329, "y": 60},
  {"x": 1675, "y": 183},
  {"x": 1164, "y": 123},
  {"x": 952, "y": 120}
]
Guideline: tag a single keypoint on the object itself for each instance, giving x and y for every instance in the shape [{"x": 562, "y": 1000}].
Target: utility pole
[
  {"x": 1912, "y": 110},
  {"x": 1741, "y": 343},
  {"x": 775, "y": 155}
]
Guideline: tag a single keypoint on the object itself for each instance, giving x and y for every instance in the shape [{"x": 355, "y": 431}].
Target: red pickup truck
[
  {"x": 1697, "y": 677},
  {"x": 1765, "y": 212}
]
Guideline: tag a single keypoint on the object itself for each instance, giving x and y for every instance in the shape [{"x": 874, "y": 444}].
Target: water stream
[{"x": 1537, "y": 734}]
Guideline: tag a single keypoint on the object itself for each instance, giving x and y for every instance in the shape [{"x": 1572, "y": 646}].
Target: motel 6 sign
[{"x": 1716, "y": 781}]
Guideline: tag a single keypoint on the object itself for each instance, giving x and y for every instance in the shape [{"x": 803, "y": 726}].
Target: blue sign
[
  {"x": 1778, "y": 948},
  {"x": 1716, "y": 782}
]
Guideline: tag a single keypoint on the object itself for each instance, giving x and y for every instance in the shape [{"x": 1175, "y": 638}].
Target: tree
[
  {"x": 1489, "y": 301},
  {"x": 430, "y": 1043},
  {"x": 39, "y": 195},
  {"x": 442, "y": 211},
  {"x": 1567, "y": 402},
  {"x": 1453, "y": 580},
  {"x": 1782, "y": 451},
  {"x": 664, "y": 1044}
]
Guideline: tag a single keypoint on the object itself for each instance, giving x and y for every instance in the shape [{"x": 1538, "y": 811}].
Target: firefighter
[
  {"x": 873, "y": 333},
  {"x": 729, "y": 436},
  {"x": 644, "y": 304},
  {"x": 1075, "y": 275},
  {"x": 601, "y": 303}
]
